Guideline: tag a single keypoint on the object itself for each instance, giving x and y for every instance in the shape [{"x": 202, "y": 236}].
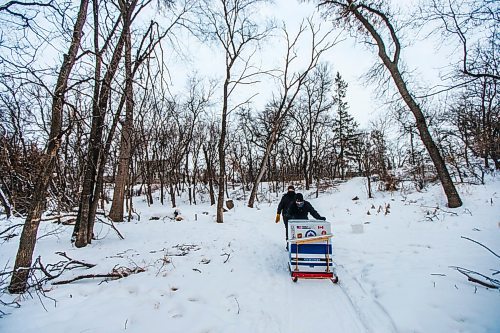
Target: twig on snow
[
  {"x": 496, "y": 255},
  {"x": 85, "y": 264},
  {"x": 226, "y": 254},
  {"x": 238, "y": 303},
  {"x": 436, "y": 208}
]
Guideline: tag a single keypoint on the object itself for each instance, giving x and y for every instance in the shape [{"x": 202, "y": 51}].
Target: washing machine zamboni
[{"x": 310, "y": 250}]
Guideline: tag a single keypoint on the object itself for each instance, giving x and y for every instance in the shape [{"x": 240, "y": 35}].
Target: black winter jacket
[
  {"x": 300, "y": 213},
  {"x": 286, "y": 200}
]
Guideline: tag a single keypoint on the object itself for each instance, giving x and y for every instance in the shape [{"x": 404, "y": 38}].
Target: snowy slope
[{"x": 233, "y": 277}]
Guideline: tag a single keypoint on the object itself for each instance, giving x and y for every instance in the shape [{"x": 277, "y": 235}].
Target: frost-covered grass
[{"x": 233, "y": 277}]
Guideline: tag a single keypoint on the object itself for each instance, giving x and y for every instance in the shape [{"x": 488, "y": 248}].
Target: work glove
[
  {"x": 277, "y": 218},
  {"x": 322, "y": 218}
]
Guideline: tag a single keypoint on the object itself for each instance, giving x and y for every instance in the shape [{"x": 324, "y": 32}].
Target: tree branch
[{"x": 496, "y": 255}]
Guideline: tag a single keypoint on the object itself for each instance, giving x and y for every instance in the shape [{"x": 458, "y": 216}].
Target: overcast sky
[{"x": 350, "y": 58}]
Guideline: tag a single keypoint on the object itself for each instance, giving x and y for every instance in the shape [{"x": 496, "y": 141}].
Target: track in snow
[{"x": 313, "y": 305}]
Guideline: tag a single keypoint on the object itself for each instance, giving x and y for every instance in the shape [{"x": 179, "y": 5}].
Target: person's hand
[
  {"x": 322, "y": 218},
  {"x": 277, "y": 218}
]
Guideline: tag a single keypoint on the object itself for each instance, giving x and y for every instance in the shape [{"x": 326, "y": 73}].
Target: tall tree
[
  {"x": 27, "y": 242},
  {"x": 121, "y": 181},
  {"x": 290, "y": 85},
  {"x": 230, "y": 23},
  {"x": 84, "y": 224},
  {"x": 151, "y": 39},
  {"x": 370, "y": 18},
  {"x": 315, "y": 104}
]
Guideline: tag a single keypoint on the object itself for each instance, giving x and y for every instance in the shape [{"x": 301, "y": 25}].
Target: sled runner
[{"x": 310, "y": 250}]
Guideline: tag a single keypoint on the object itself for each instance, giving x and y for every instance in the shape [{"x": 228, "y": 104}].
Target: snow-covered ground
[{"x": 201, "y": 276}]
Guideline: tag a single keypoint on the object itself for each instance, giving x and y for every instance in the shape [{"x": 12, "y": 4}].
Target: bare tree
[
  {"x": 314, "y": 106},
  {"x": 116, "y": 211},
  {"x": 290, "y": 86},
  {"x": 370, "y": 19},
  {"x": 144, "y": 51},
  {"x": 229, "y": 22},
  {"x": 212, "y": 132},
  {"x": 474, "y": 25},
  {"x": 475, "y": 117},
  {"x": 84, "y": 225},
  {"x": 30, "y": 229}
]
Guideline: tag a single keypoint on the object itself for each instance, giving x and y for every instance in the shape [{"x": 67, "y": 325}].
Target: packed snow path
[{"x": 308, "y": 305}]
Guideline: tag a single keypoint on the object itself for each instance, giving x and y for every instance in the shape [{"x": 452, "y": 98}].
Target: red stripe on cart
[{"x": 312, "y": 275}]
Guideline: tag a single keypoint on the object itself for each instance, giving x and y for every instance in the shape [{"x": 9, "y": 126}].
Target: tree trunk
[
  {"x": 18, "y": 283},
  {"x": 392, "y": 65},
  {"x": 210, "y": 176},
  {"x": 122, "y": 177},
  {"x": 83, "y": 230},
  {"x": 222, "y": 154},
  {"x": 172, "y": 193},
  {"x": 452, "y": 195},
  {"x": 262, "y": 167}
]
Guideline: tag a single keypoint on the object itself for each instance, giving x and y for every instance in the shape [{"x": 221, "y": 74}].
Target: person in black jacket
[
  {"x": 299, "y": 209},
  {"x": 286, "y": 200}
]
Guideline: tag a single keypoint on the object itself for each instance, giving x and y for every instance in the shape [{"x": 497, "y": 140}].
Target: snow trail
[
  {"x": 310, "y": 305},
  {"x": 201, "y": 276}
]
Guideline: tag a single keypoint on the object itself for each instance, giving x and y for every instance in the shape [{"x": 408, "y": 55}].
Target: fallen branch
[
  {"x": 10, "y": 228},
  {"x": 112, "y": 226},
  {"x": 59, "y": 267},
  {"x": 12, "y": 304},
  {"x": 238, "y": 303},
  {"x": 9, "y": 236},
  {"x": 115, "y": 274},
  {"x": 85, "y": 264},
  {"x": 88, "y": 276},
  {"x": 185, "y": 249},
  {"x": 56, "y": 231},
  {"x": 489, "y": 283},
  {"x": 69, "y": 222},
  {"x": 164, "y": 261},
  {"x": 38, "y": 275}
]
